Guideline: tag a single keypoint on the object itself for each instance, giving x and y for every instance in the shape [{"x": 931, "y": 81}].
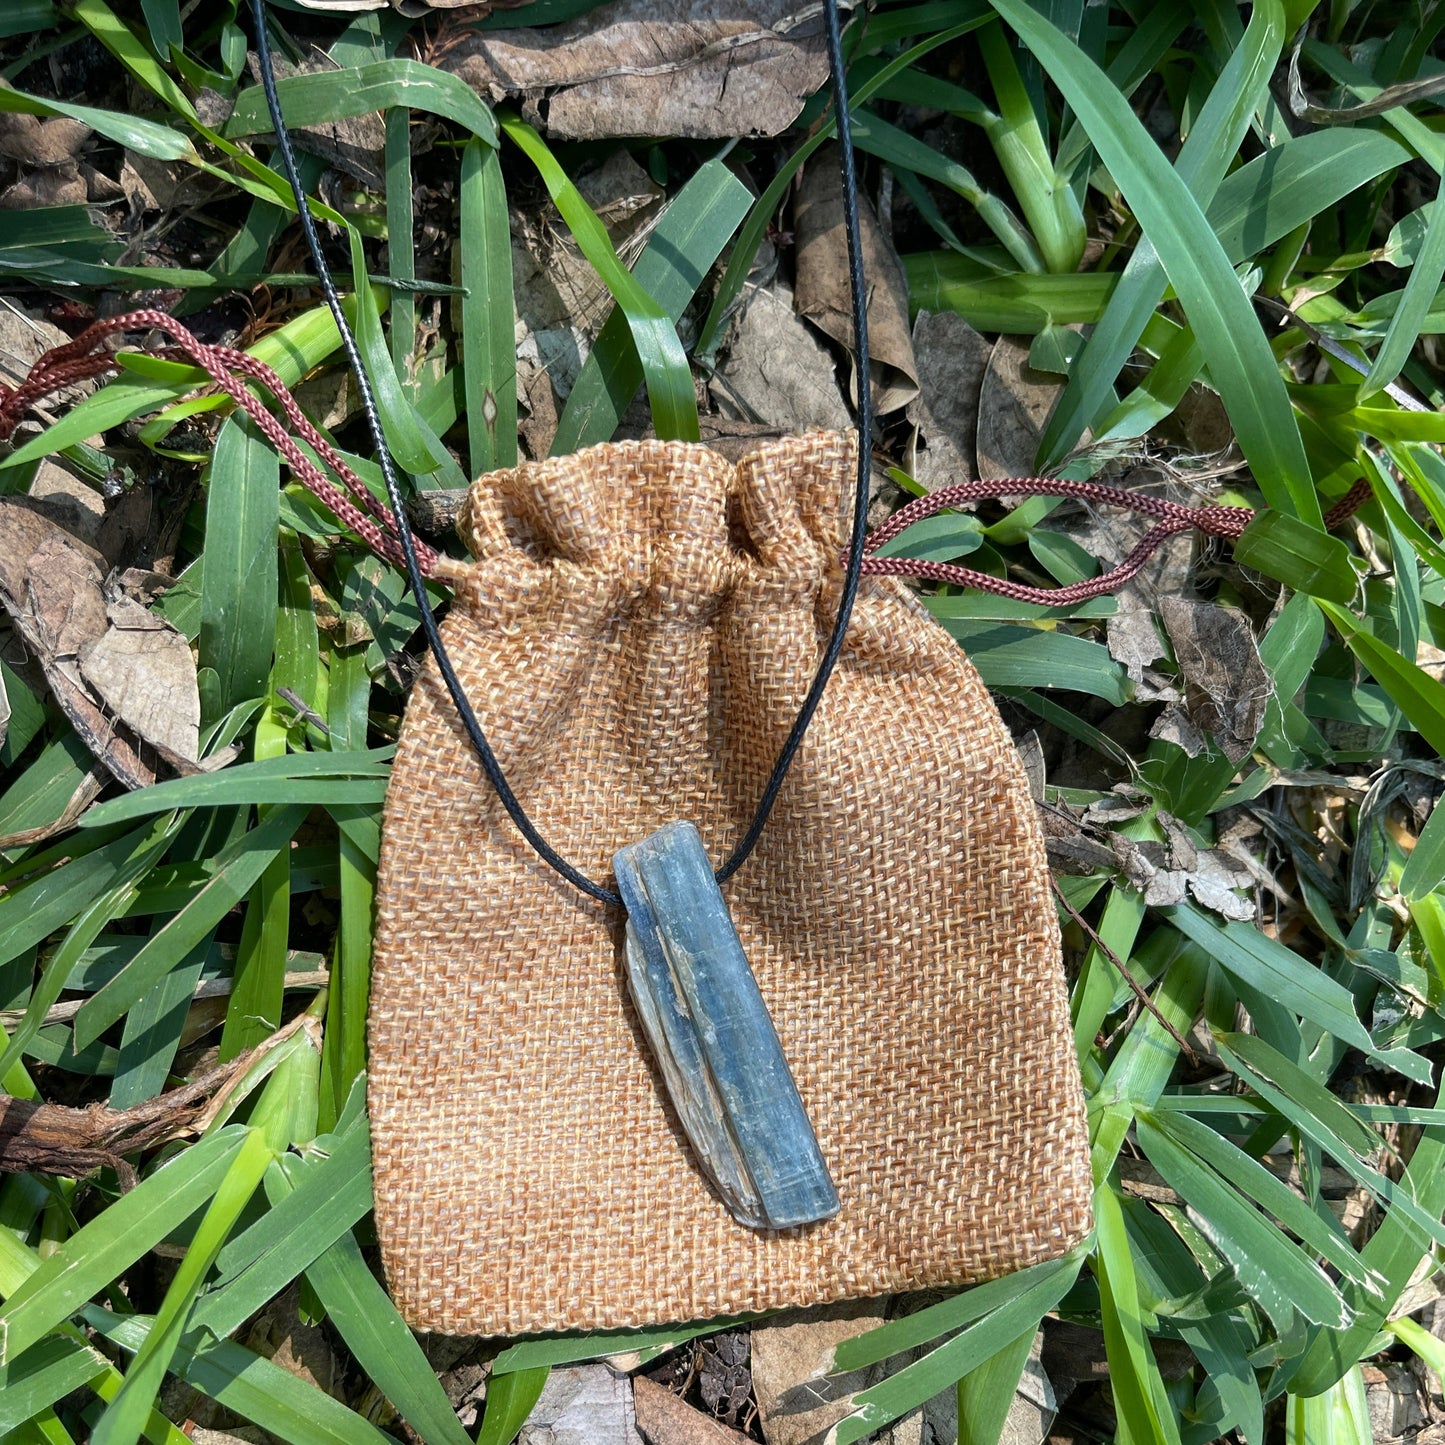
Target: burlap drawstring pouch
[{"x": 636, "y": 633}]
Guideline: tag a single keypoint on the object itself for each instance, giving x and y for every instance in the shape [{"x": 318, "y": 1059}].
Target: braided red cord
[
  {"x": 1228, "y": 522},
  {"x": 80, "y": 360}
]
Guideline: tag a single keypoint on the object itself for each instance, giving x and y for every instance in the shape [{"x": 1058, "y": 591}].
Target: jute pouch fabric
[{"x": 638, "y": 631}]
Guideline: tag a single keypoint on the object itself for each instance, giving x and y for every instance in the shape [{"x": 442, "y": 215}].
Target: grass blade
[
  {"x": 1339, "y": 1415},
  {"x": 1278, "y": 973},
  {"x": 159, "y": 142},
  {"x": 489, "y": 361},
  {"x": 370, "y": 1326},
  {"x": 510, "y": 1399},
  {"x": 1273, "y": 1195},
  {"x": 940, "y": 1369},
  {"x": 249, "y": 1384},
  {"x": 153, "y": 1032},
  {"x": 238, "y": 588},
  {"x": 324, "y": 98},
  {"x": 1311, "y": 1108},
  {"x": 687, "y": 240},
  {"x": 1272, "y": 1269},
  {"x": 128, "y": 1413},
  {"x": 664, "y": 365},
  {"x": 297, "y": 777},
  {"x": 141, "y": 850},
  {"x": 237, "y": 868},
  {"x": 49, "y": 1370},
  {"x": 260, "y": 1262},
  {"x": 1138, "y": 1391},
  {"x": 910, "y": 1331},
  {"x": 1016, "y": 657},
  {"x": 101, "y": 1250},
  {"x": 412, "y": 442},
  {"x": 1204, "y": 158},
  {"x": 1240, "y": 361},
  {"x": 1418, "y": 695}
]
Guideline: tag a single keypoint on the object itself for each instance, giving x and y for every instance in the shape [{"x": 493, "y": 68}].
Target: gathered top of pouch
[{"x": 636, "y": 635}]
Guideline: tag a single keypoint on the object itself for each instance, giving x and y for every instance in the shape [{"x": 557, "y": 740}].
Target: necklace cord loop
[{"x": 1172, "y": 519}]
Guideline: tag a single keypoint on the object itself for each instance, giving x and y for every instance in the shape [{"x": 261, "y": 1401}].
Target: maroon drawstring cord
[
  {"x": 1226, "y": 522},
  {"x": 82, "y": 360}
]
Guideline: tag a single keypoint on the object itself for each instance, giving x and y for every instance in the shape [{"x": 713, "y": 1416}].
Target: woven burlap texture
[{"x": 638, "y": 631}]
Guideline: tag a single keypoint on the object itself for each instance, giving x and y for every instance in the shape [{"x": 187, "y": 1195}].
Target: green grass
[{"x": 1226, "y": 256}]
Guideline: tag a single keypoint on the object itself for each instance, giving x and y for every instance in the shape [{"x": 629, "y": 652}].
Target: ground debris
[
  {"x": 582, "y": 1405},
  {"x": 1226, "y": 686},
  {"x": 824, "y": 295},
  {"x": 701, "y": 69},
  {"x": 666, "y": 1419},
  {"x": 950, "y": 357},
  {"x": 125, "y": 678},
  {"x": 776, "y": 372}
]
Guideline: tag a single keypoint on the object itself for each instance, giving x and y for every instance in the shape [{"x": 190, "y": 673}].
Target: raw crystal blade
[{"x": 713, "y": 1038}]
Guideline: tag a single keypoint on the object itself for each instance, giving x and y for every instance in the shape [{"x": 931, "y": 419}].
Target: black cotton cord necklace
[{"x": 479, "y": 742}]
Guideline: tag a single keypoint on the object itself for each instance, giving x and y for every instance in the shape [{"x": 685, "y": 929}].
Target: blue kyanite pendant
[{"x": 713, "y": 1038}]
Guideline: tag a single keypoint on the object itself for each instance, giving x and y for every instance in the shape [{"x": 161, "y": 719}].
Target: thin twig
[{"x": 1138, "y": 988}]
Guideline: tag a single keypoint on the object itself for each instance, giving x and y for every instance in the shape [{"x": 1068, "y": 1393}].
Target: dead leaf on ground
[
  {"x": 951, "y": 358},
  {"x": 46, "y": 153},
  {"x": 560, "y": 302},
  {"x": 1177, "y": 869},
  {"x": 1226, "y": 686},
  {"x": 162, "y": 185},
  {"x": 798, "y": 1399},
  {"x": 24, "y": 339},
  {"x": 554, "y": 285},
  {"x": 665, "y": 1419},
  {"x": 824, "y": 295},
  {"x": 777, "y": 372},
  {"x": 699, "y": 69},
  {"x": 124, "y": 678},
  {"x": 583, "y": 1402},
  {"x": 1133, "y": 637},
  {"x": 69, "y": 502},
  {"x": 280, "y": 1334},
  {"x": 37, "y": 142},
  {"x": 1014, "y": 403}
]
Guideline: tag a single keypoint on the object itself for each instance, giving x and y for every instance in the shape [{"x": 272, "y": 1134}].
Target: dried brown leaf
[
  {"x": 951, "y": 358},
  {"x": 1226, "y": 686},
  {"x": 665, "y": 1419},
  {"x": 824, "y": 293},
  {"x": 701, "y": 69},
  {"x": 126, "y": 680},
  {"x": 1014, "y": 402}
]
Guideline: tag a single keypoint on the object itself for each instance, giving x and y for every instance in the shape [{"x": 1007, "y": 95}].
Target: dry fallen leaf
[
  {"x": 48, "y": 154},
  {"x": 776, "y": 371},
  {"x": 824, "y": 293},
  {"x": 951, "y": 358},
  {"x": 1014, "y": 403},
  {"x": 1226, "y": 686},
  {"x": 24, "y": 339},
  {"x": 666, "y": 1419},
  {"x": 798, "y": 1399},
  {"x": 700, "y": 69},
  {"x": 1133, "y": 636},
  {"x": 124, "y": 678},
  {"x": 55, "y": 141},
  {"x": 582, "y": 1403}
]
